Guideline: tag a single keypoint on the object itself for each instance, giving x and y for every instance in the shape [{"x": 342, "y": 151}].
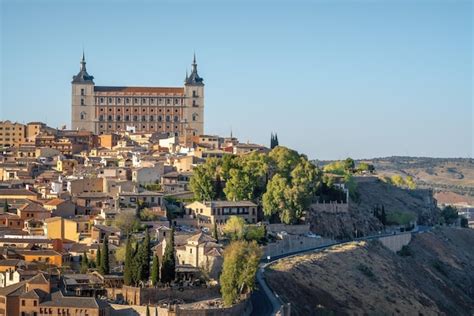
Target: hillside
[
  {"x": 437, "y": 278},
  {"x": 400, "y": 204},
  {"x": 442, "y": 174}
]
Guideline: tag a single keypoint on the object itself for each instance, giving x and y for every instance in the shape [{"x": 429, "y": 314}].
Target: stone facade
[{"x": 174, "y": 111}]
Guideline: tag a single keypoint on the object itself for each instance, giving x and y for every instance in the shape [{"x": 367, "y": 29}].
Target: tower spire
[{"x": 83, "y": 60}]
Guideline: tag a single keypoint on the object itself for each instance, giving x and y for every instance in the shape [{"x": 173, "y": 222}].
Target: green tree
[
  {"x": 283, "y": 160},
  {"x": 256, "y": 233},
  {"x": 202, "y": 183},
  {"x": 464, "y": 222},
  {"x": 5, "y": 206},
  {"x": 235, "y": 227},
  {"x": 155, "y": 271},
  {"x": 128, "y": 272},
  {"x": 410, "y": 182},
  {"x": 104, "y": 258},
  {"x": 240, "y": 265},
  {"x": 363, "y": 166},
  {"x": 349, "y": 165},
  {"x": 215, "y": 233},
  {"x": 147, "y": 310},
  {"x": 449, "y": 214},
  {"x": 274, "y": 198},
  {"x": 146, "y": 256},
  {"x": 98, "y": 258},
  {"x": 127, "y": 222},
  {"x": 84, "y": 263},
  {"x": 239, "y": 186},
  {"x": 168, "y": 262},
  {"x": 397, "y": 180}
]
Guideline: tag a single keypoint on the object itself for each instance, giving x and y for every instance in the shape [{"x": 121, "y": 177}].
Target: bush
[
  {"x": 366, "y": 270},
  {"x": 405, "y": 252}
]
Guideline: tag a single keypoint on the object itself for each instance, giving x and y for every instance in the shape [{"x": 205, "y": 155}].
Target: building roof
[
  {"x": 200, "y": 238},
  {"x": 83, "y": 76},
  {"x": 16, "y": 192},
  {"x": 231, "y": 203},
  {"x": 139, "y": 90},
  {"x": 54, "y": 202},
  {"x": 59, "y": 300},
  {"x": 193, "y": 78}
]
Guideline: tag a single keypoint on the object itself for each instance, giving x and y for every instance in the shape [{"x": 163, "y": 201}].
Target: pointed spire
[
  {"x": 194, "y": 64},
  {"x": 83, "y": 61}
]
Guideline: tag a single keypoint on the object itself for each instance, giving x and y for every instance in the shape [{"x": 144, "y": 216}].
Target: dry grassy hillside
[
  {"x": 416, "y": 204},
  {"x": 436, "y": 278}
]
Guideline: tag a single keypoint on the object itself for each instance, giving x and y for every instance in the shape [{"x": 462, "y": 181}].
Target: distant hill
[
  {"x": 435, "y": 277},
  {"x": 441, "y": 174}
]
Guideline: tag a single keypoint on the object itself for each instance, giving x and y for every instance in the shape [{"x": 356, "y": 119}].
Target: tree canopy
[{"x": 240, "y": 265}]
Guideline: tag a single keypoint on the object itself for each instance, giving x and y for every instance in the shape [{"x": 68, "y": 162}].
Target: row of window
[
  {"x": 136, "y": 118},
  {"x": 83, "y": 102},
  {"x": 167, "y": 101},
  {"x": 143, "y": 127},
  {"x": 143, "y": 110}
]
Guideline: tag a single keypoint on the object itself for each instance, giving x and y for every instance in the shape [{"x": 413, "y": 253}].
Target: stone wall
[
  {"x": 330, "y": 207},
  {"x": 242, "y": 309},
  {"x": 290, "y": 229},
  {"x": 396, "y": 242},
  {"x": 139, "y": 296},
  {"x": 293, "y": 243}
]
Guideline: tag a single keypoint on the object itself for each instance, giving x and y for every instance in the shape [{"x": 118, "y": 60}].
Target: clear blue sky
[{"x": 333, "y": 78}]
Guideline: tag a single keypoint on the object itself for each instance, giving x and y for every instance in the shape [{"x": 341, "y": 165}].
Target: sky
[{"x": 332, "y": 78}]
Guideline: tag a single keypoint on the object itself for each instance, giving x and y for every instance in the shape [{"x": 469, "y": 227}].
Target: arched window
[
  {"x": 195, "y": 116},
  {"x": 176, "y": 118},
  {"x": 83, "y": 115}
]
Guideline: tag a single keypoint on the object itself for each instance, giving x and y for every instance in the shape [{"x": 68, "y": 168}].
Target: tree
[
  {"x": 240, "y": 265},
  {"x": 215, "y": 233},
  {"x": 383, "y": 216},
  {"x": 84, "y": 263},
  {"x": 410, "y": 182},
  {"x": 235, "y": 227},
  {"x": 98, "y": 258},
  {"x": 147, "y": 310},
  {"x": 397, "y": 180},
  {"x": 257, "y": 233},
  {"x": 283, "y": 160},
  {"x": 127, "y": 222},
  {"x": 168, "y": 263},
  {"x": 273, "y": 199},
  {"x": 146, "y": 256},
  {"x": 239, "y": 187},
  {"x": 349, "y": 164},
  {"x": 202, "y": 183},
  {"x": 5, "y": 206},
  {"x": 273, "y": 141},
  {"x": 104, "y": 259},
  {"x": 449, "y": 214},
  {"x": 127, "y": 272},
  {"x": 464, "y": 222},
  {"x": 155, "y": 271}
]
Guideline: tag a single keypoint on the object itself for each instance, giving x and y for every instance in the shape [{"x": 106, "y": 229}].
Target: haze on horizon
[{"x": 332, "y": 78}]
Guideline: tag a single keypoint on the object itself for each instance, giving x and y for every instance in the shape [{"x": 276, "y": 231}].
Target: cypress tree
[
  {"x": 127, "y": 271},
  {"x": 5, "y": 206},
  {"x": 168, "y": 264},
  {"x": 146, "y": 257},
  {"x": 276, "y": 140},
  {"x": 104, "y": 258},
  {"x": 383, "y": 216},
  {"x": 84, "y": 263},
  {"x": 97, "y": 258},
  {"x": 155, "y": 272},
  {"x": 215, "y": 235},
  {"x": 147, "y": 310}
]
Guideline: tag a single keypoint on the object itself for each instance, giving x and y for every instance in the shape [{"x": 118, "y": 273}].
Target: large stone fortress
[{"x": 174, "y": 111}]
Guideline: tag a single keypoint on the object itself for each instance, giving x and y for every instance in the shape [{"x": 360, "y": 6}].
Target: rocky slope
[
  {"x": 418, "y": 204},
  {"x": 435, "y": 277}
]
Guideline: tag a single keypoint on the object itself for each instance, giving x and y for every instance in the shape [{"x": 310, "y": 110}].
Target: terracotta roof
[
  {"x": 201, "y": 237},
  {"x": 54, "y": 202},
  {"x": 16, "y": 192},
  {"x": 138, "y": 90}
]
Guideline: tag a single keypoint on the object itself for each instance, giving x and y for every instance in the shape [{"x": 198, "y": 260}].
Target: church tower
[
  {"x": 194, "y": 101},
  {"x": 83, "y": 102}
]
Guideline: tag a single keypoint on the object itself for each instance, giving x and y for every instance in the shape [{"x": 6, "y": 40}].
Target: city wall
[{"x": 396, "y": 242}]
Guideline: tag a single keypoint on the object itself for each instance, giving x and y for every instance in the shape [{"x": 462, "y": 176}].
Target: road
[{"x": 266, "y": 302}]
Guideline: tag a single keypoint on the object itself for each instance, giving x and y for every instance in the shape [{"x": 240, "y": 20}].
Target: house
[
  {"x": 7, "y": 194},
  {"x": 35, "y": 296},
  {"x": 61, "y": 208},
  {"x": 133, "y": 199},
  {"x": 199, "y": 251},
  {"x": 74, "y": 229},
  {"x": 220, "y": 211},
  {"x": 33, "y": 210},
  {"x": 9, "y": 277},
  {"x": 148, "y": 175},
  {"x": 47, "y": 256}
]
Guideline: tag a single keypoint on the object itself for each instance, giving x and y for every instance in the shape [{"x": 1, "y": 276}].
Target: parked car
[
  {"x": 312, "y": 235},
  {"x": 282, "y": 234}
]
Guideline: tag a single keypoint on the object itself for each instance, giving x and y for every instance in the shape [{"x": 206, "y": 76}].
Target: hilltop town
[{"x": 136, "y": 211}]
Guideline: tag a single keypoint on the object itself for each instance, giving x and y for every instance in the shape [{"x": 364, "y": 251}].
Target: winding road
[{"x": 266, "y": 302}]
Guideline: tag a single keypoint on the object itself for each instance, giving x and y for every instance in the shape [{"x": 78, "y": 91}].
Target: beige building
[
  {"x": 169, "y": 110},
  {"x": 220, "y": 211},
  {"x": 12, "y": 134}
]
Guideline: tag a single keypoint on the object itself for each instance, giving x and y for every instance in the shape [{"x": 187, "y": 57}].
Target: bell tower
[
  {"x": 194, "y": 101},
  {"x": 83, "y": 116}
]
